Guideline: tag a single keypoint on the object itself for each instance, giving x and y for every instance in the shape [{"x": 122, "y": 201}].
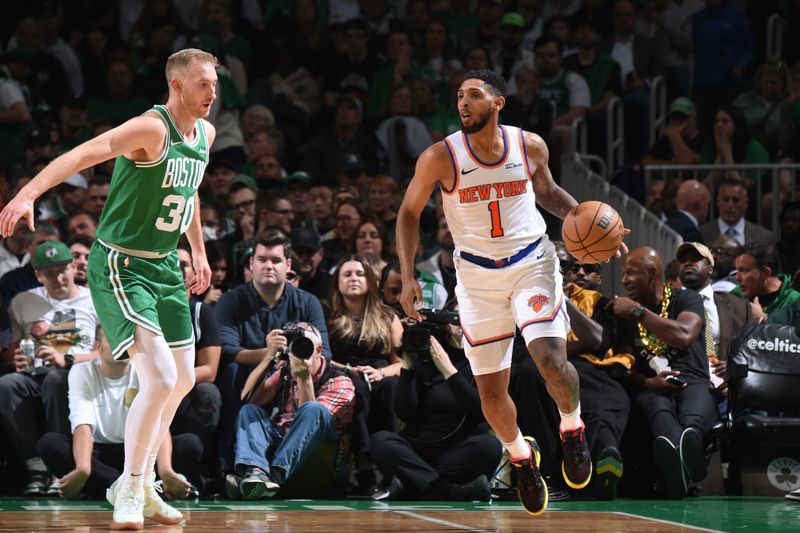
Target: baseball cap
[
  {"x": 352, "y": 163},
  {"x": 512, "y": 19},
  {"x": 305, "y": 238},
  {"x": 701, "y": 249},
  {"x": 77, "y": 180},
  {"x": 352, "y": 100},
  {"x": 221, "y": 162},
  {"x": 247, "y": 181},
  {"x": 682, "y": 105},
  {"x": 299, "y": 175},
  {"x": 51, "y": 253},
  {"x": 37, "y": 137}
]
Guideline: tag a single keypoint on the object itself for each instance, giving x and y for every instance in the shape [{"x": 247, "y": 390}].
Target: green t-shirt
[
  {"x": 754, "y": 154},
  {"x": 100, "y": 108},
  {"x": 150, "y": 204},
  {"x": 601, "y": 76}
]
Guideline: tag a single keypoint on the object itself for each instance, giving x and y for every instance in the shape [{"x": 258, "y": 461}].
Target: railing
[
  {"x": 615, "y": 135},
  {"x": 646, "y": 228},
  {"x": 782, "y": 177},
  {"x": 580, "y": 144},
  {"x": 658, "y": 108},
  {"x": 775, "y": 29}
]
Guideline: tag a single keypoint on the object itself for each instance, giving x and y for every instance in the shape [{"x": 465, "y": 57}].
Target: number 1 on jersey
[{"x": 497, "y": 224}]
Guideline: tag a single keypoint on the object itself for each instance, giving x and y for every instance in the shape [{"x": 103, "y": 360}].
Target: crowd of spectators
[{"x": 322, "y": 110}]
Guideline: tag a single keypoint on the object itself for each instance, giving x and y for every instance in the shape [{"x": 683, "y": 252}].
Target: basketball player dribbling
[
  {"x": 508, "y": 276},
  {"x": 134, "y": 277}
]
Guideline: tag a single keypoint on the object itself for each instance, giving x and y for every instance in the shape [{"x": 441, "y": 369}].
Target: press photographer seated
[
  {"x": 664, "y": 328},
  {"x": 293, "y": 406},
  {"x": 445, "y": 450}
]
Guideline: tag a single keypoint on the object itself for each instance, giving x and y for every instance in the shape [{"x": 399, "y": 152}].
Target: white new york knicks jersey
[{"x": 491, "y": 209}]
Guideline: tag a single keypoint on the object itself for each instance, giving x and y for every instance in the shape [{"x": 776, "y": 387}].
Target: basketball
[{"x": 592, "y": 232}]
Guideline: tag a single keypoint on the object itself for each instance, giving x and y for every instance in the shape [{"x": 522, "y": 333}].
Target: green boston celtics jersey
[{"x": 150, "y": 203}]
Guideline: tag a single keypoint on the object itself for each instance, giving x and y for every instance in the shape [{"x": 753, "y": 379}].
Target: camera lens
[{"x": 302, "y": 347}]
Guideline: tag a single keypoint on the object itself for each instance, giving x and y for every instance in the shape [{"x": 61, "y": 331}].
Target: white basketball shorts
[{"x": 494, "y": 302}]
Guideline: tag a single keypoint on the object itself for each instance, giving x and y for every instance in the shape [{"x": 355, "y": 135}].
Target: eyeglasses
[
  {"x": 575, "y": 267},
  {"x": 281, "y": 212},
  {"x": 243, "y": 205},
  {"x": 291, "y": 276}
]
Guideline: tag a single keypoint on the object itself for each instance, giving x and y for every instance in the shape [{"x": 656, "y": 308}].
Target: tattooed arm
[{"x": 548, "y": 194}]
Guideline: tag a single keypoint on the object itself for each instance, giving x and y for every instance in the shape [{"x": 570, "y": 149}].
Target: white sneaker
[
  {"x": 128, "y": 505},
  {"x": 154, "y": 507}
]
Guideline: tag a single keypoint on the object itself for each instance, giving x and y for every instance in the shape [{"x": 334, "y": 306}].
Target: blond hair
[{"x": 178, "y": 62}]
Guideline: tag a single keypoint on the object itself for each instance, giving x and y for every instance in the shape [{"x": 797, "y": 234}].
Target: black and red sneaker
[
  {"x": 577, "y": 464},
  {"x": 531, "y": 488}
]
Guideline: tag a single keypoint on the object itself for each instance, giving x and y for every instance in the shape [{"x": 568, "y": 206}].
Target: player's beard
[{"x": 482, "y": 121}]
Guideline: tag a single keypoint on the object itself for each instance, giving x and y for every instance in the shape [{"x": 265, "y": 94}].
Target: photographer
[
  {"x": 445, "y": 450},
  {"x": 302, "y": 403},
  {"x": 248, "y": 317}
]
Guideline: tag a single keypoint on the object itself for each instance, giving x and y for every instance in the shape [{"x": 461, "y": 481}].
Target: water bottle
[{"x": 28, "y": 348}]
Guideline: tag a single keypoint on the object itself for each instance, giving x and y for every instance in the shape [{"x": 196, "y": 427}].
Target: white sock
[
  {"x": 518, "y": 449},
  {"x": 570, "y": 421}
]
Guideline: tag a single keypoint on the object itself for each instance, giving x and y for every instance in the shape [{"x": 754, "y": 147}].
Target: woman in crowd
[
  {"x": 383, "y": 195},
  {"x": 217, "y": 260},
  {"x": 363, "y": 335},
  {"x": 372, "y": 242}
]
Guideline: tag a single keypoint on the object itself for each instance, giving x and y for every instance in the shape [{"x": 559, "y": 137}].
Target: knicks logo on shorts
[{"x": 537, "y": 302}]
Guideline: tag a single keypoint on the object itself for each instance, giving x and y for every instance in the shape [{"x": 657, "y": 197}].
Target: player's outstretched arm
[
  {"x": 548, "y": 194},
  {"x": 432, "y": 166},
  {"x": 140, "y": 138}
]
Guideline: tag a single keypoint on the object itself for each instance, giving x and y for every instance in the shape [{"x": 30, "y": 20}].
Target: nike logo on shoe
[{"x": 464, "y": 171}]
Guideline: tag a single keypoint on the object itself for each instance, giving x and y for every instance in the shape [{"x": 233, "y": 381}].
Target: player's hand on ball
[
  {"x": 623, "y": 248},
  {"x": 411, "y": 292},
  {"x": 202, "y": 274},
  {"x": 17, "y": 209}
]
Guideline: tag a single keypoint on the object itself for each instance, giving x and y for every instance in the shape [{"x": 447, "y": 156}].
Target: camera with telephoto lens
[
  {"x": 417, "y": 337},
  {"x": 297, "y": 343}
]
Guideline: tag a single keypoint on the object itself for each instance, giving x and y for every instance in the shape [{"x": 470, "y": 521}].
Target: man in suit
[
  {"x": 732, "y": 205},
  {"x": 726, "y": 313},
  {"x": 692, "y": 209}
]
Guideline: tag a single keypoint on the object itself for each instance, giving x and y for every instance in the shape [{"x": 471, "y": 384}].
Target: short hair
[
  {"x": 46, "y": 228},
  {"x": 493, "y": 80},
  {"x": 99, "y": 179},
  {"x": 789, "y": 207},
  {"x": 732, "y": 182},
  {"x": 271, "y": 238},
  {"x": 82, "y": 211},
  {"x": 178, "y": 62},
  {"x": 765, "y": 255},
  {"x": 544, "y": 40},
  {"x": 82, "y": 239}
]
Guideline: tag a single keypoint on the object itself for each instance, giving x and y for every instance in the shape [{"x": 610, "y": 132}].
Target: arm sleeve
[
  {"x": 579, "y": 95},
  {"x": 337, "y": 396},
  {"x": 229, "y": 330},
  {"x": 406, "y": 399},
  {"x": 81, "y": 408},
  {"x": 207, "y": 328},
  {"x": 16, "y": 328},
  {"x": 462, "y": 387}
]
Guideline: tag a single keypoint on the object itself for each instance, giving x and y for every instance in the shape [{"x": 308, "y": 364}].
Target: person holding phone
[{"x": 665, "y": 330}]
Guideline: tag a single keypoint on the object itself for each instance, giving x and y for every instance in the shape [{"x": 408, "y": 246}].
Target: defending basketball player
[
  {"x": 491, "y": 177},
  {"x": 135, "y": 280}
]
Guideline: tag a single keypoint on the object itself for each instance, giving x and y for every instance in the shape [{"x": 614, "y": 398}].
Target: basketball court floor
[{"x": 714, "y": 514}]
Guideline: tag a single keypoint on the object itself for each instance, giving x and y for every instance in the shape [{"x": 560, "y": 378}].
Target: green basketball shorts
[{"x": 130, "y": 291}]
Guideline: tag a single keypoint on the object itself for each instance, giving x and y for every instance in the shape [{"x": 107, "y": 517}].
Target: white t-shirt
[
  {"x": 100, "y": 402},
  {"x": 67, "y": 325},
  {"x": 623, "y": 53}
]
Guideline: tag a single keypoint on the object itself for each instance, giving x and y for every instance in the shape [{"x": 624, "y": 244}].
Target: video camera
[
  {"x": 417, "y": 337},
  {"x": 297, "y": 343}
]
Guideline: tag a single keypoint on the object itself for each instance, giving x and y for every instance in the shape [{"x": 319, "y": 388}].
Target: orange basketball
[{"x": 592, "y": 232}]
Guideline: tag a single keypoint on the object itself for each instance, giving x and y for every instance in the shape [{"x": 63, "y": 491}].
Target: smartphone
[{"x": 675, "y": 380}]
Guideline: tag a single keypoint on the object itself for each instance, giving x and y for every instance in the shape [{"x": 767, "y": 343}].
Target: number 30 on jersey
[{"x": 180, "y": 213}]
